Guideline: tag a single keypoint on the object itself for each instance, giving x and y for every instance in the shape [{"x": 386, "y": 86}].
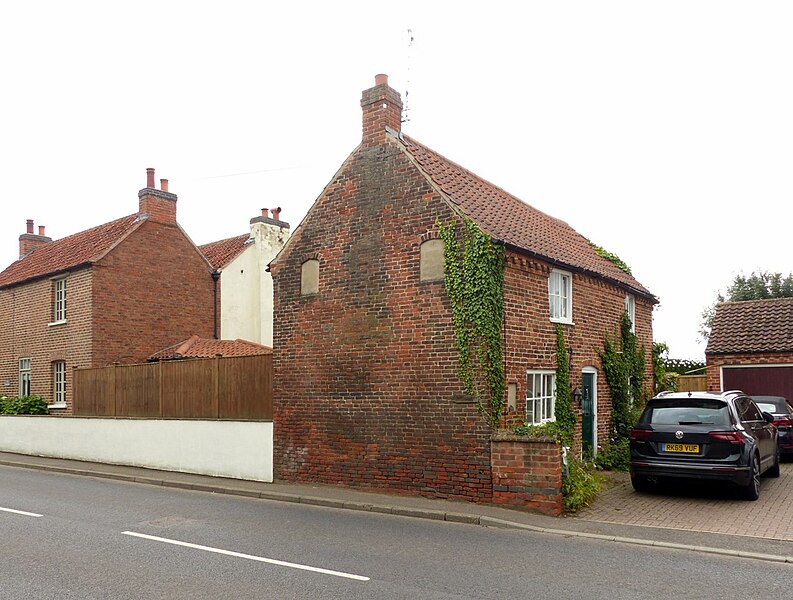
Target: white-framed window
[
  {"x": 24, "y": 377},
  {"x": 630, "y": 310},
  {"x": 560, "y": 296},
  {"x": 59, "y": 300},
  {"x": 59, "y": 382},
  {"x": 540, "y": 397}
]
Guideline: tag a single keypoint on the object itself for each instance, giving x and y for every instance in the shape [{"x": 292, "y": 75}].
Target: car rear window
[
  {"x": 769, "y": 407},
  {"x": 692, "y": 412}
]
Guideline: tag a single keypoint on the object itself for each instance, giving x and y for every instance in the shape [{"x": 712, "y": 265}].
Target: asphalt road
[{"x": 107, "y": 539}]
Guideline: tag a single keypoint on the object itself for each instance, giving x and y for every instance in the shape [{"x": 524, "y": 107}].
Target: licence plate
[{"x": 685, "y": 448}]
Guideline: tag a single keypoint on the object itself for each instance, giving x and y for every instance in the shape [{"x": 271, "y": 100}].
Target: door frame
[{"x": 594, "y": 372}]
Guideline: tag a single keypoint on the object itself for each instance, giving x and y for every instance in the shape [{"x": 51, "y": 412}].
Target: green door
[{"x": 588, "y": 414}]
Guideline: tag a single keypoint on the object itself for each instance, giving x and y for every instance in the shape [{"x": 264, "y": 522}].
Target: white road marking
[
  {"x": 20, "y": 512},
  {"x": 271, "y": 561}
]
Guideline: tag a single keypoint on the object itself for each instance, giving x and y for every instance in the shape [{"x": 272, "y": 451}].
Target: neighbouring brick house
[
  {"x": 750, "y": 347},
  {"x": 113, "y": 293},
  {"x": 245, "y": 293},
  {"x": 366, "y": 391}
]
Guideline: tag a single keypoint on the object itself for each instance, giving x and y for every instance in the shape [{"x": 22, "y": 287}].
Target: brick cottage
[{"x": 366, "y": 391}]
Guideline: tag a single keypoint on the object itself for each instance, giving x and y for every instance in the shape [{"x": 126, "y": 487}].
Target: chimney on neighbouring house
[
  {"x": 382, "y": 107},
  {"x": 274, "y": 220},
  {"x": 159, "y": 205},
  {"x": 28, "y": 240}
]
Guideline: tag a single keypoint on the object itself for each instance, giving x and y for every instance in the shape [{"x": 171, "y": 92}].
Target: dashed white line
[
  {"x": 271, "y": 561},
  {"x": 20, "y": 512}
]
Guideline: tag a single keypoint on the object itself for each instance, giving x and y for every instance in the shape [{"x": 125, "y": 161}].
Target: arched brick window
[
  {"x": 431, "y": 268},
  {"x": 309, "y": 277}
]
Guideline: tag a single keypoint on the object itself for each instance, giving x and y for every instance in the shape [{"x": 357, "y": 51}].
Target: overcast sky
[{"x": 662, "y": 131}]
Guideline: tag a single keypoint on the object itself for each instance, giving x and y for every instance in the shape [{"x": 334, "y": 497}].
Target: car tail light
[
  {"x": 782, "y": 422},
  {"x": 640, "y": 434},
  {"x": 732, "y": 437}
]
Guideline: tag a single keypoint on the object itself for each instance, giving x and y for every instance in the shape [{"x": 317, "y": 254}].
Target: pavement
[{"x": 680, "y": 521}]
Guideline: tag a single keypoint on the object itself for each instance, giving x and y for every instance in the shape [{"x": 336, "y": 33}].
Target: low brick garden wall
[{"x": 527, "y": 472}]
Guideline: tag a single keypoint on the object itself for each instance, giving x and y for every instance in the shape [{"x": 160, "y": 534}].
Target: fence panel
[
  {"x": 692, "y": 383},
  {"x": 215, "y": 388},
  {"x": 138, "y": 390},
  {"x": 245, "y": 385},
  {"x": 96, "y": 390},
  {"x": 188, "y": 389}
]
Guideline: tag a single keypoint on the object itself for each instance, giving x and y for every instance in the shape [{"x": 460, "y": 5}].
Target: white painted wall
[
  {"x": 237, "y": 449},
  {"x": 246, "y": 288}
]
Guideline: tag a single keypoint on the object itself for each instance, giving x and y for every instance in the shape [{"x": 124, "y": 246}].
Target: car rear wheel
[
  {"x": 641, "y": 484},
  {"x": 752, "y": 489},
  {"x": 774, "y": 470}
]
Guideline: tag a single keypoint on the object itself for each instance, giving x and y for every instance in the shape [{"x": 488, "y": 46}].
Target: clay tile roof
[
  {"x": 196, "y": 347},
  {"x": 60, "y": 255},
  {"x": 222, "y": 252},
  {"x": 752, "y": 326},
  {"x": 512, "y": 221}
]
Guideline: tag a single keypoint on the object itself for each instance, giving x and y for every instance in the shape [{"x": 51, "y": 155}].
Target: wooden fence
[
  {"x": 215, "y": 388},
  {"x": 692, "y": 383}
]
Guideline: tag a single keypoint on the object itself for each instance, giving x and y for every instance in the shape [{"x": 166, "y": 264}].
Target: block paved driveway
[{"x": 702, "y": 508}]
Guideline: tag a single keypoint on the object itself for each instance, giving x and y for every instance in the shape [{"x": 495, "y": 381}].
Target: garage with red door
[
  {"x": 767, "y": 380},
  {"x": 750, "y": 347}
]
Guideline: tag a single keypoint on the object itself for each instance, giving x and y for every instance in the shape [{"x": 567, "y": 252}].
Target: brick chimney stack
[
  {"x": 382, "y": 107},
  {"x": 28, "y": 240},
  {"x": 159, "y": 205}
]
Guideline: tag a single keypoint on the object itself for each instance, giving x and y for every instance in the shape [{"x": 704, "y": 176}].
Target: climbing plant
[
  {"x": 563, "y": 409},
  {"x": 474, "y": 280},
  {"x": 610, "y": 256},
  {"x": 623, "y": 364}
]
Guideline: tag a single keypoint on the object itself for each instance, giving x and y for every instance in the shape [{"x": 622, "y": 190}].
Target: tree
[{"x": 757, "y": 286}]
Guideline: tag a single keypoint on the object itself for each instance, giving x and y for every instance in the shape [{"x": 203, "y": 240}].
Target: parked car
[
  {"x": 783, "y": 419},
  {"x": 704, "y": 436}
]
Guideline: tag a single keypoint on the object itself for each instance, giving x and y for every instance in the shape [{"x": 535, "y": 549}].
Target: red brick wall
[
  {"x": 527, "y": 473},
  {"x": 152, "y": 290},
  {"x": 531, "y": 336},
  {"x": 366, "y": 392},
  {"x": 25, "y": 332},
  {"x": 716, "y": 361}
]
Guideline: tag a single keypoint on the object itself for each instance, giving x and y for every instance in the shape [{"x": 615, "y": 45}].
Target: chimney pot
[
  {"x": 276, "y": 212},
  {"x": 164, "y": 185},
  {"x": 41, "y": 230},
  {"x": 265, "y": 211},
  {"x": 381, "y": 79},
  {"x": 30, "y": 226},
  {"x": 150, "y": 177}
]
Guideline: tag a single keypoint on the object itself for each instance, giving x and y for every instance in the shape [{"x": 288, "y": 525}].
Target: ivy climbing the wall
[
  {"x": 563, "y": 409},
  {"x": 623, "y": 364},
  {"x": 474, "y": 279}
]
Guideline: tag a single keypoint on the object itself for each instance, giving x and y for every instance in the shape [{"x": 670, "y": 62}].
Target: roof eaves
[{"x": 48, "y": 275}]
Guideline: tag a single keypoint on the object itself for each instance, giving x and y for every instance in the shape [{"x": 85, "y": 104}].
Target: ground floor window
[
  {"x": 24, "y": 377},
  {"x": 540, "y": 395},
  {"x": 59, "y": 382}
]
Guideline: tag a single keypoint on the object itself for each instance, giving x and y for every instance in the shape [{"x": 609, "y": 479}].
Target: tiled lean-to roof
[
  {"x": 511, "y": 220},
  {"x": 67, "y": 253},
  {"x": 222, "y": 252},
  {"x": 752, "y": 326},
  {"x": 196, "y": 347}
]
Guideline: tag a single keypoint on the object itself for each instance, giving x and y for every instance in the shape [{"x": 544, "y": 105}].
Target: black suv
[{"x": 699, "y": 435}]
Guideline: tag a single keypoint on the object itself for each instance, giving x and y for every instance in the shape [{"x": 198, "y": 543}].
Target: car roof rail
[{"x": 733, "y": 393}]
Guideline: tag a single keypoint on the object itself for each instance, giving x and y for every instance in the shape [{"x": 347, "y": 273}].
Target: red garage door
[{"x": 759, "y": 381}]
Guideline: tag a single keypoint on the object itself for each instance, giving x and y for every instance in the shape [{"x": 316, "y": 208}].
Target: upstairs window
[
  {"x": 560, "y": 295},
  {"x": 630, "y": 310},
  {"x": 59, "y": 300},
  {"x": 59, "y": 382},
  {"x": 24, "y": 377}
]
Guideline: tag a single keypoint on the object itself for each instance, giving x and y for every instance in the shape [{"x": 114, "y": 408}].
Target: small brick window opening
[
  {"x": 431, "y": 268},
  {"x": 309, "y": 277}
]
